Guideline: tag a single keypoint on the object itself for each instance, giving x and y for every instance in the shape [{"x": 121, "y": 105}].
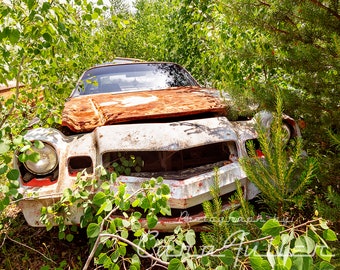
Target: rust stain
[{"x": 84, "y": 113}]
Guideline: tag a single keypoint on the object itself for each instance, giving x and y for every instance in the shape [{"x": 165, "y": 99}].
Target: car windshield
[{"x": 133, "y": 77}]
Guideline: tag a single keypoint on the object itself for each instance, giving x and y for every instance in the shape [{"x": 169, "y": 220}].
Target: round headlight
[{"x": 47, "y": 163}]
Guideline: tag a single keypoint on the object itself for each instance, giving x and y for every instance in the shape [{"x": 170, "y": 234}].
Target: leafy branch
[
  {"x": 101, "y": 233},
  {"x": 17, "y": 92}
]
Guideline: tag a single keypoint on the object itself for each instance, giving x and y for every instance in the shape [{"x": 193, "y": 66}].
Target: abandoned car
[{"x": 153, "y": 110}]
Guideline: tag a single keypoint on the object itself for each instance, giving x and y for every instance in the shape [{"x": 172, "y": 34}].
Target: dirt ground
[{"x": 25, "y": 247}]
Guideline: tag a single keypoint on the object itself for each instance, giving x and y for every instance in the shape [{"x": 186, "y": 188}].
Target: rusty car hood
[{"x": 85, "y": 113}]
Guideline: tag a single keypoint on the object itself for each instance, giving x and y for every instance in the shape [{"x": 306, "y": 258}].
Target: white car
[{"x": 152, "y": 110}]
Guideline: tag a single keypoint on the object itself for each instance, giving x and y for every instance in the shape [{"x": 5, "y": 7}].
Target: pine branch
[
  {"x": 277, "y": 175},
  {"x": 333, "y": 197},
  {"x": 256, "y": 175},
  {"x": 296, "y": 156},
  {"x": 329, "y": 10},
  {"x": 305, "y": 177},
  {"x": 335, "y": 139}
]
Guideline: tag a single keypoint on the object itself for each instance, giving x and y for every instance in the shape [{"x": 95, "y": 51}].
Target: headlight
[{"x": 47, "y": 163}]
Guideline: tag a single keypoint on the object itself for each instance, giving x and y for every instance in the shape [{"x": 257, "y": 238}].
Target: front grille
[
  {"x": 172, "y": 164},
  {"x": 79, "y": 163}
]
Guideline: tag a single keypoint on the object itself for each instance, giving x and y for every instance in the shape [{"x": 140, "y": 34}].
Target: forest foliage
[{"x": 249, "y": 48}]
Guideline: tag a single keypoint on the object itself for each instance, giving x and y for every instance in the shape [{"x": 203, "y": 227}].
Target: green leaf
[
  {"x": 272, "y": 227},
  {"x": 125, "y": 162},
  {"x": 145, "y": 204},
  {"x": 257, "y": 262},
  {"x": 206, "y": 261},
  {"x": 47, "y": 37},
  {"x": 103, "y": 258},
  {"x": 135, "y": 203},
  {"x": 135, "y": 260},
  {"x": 14, "y": 36},
  {"x": 190, "y": 238},
  {"x": 34, "y": 157},
  {"x": 304, "y": 244},
  {"x": 25, "y": 148},
  {"x": 4, "y": 147},
  {"x": 329, "y": 235},
  {"x": 286, "y": 238},
  {"x": 220, "y": 267},
  {"x": 124, "y": 234},
  {"x": 112, "y": 228},
  {"x": 126, "y": 223},
  {"x": 61, "y": 235},
  {"x": 127, "y": 171},
  {"x": 18, "y": 140},
  {"x": 190, "y": 264},
  {"x": 234, "y": 216},
  {"x": 4, "y": 203},
  {"x": 105, "y": 186},
  {"x": 67, "y": 193},
  {"x": 99, "y": 198},
  {"x": 69, "y": 237},
  {"x": 122, "y": 250},
  {"x": 13, "y": 174},
  {"x": 176, "y": 264},
  {"x": 3, "y": 168},
  {"x": 106, "y": 206},
  {"x": 115, "y": 256},
  {"x": 165, "y": 189},
  {"x": 151, "y": 220},
  {"x": 23, "y": 157},
  {"x": 324, "y": 253},
  {"x": 134, "y": 267},
  {"x": 39, "y": 144},
  {"x": 276, "y": 241},
  {"x": 323, "y": 224},
  {"x": 124, "y": 205},
  {"x": 30, "y": 4},
  {"x": 302, "y": 262},
  {"x": 45, "y": 7},
  {"x": 7, "y": 159},
  {"x": 118, "y": 222},
  {"x": 326, "y": 266},
  {"x": 94, "y": 15},
  {"x": 93, "y": 230},
  {"x": 152, "y": 182},
  {"x": 151, "y": 241},
  {"x": 137, "y": 215},
  {"x": 227, "y": 257}
]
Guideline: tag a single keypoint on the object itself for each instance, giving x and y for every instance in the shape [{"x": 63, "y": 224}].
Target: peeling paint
[{"x": 85, "y": 113}]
